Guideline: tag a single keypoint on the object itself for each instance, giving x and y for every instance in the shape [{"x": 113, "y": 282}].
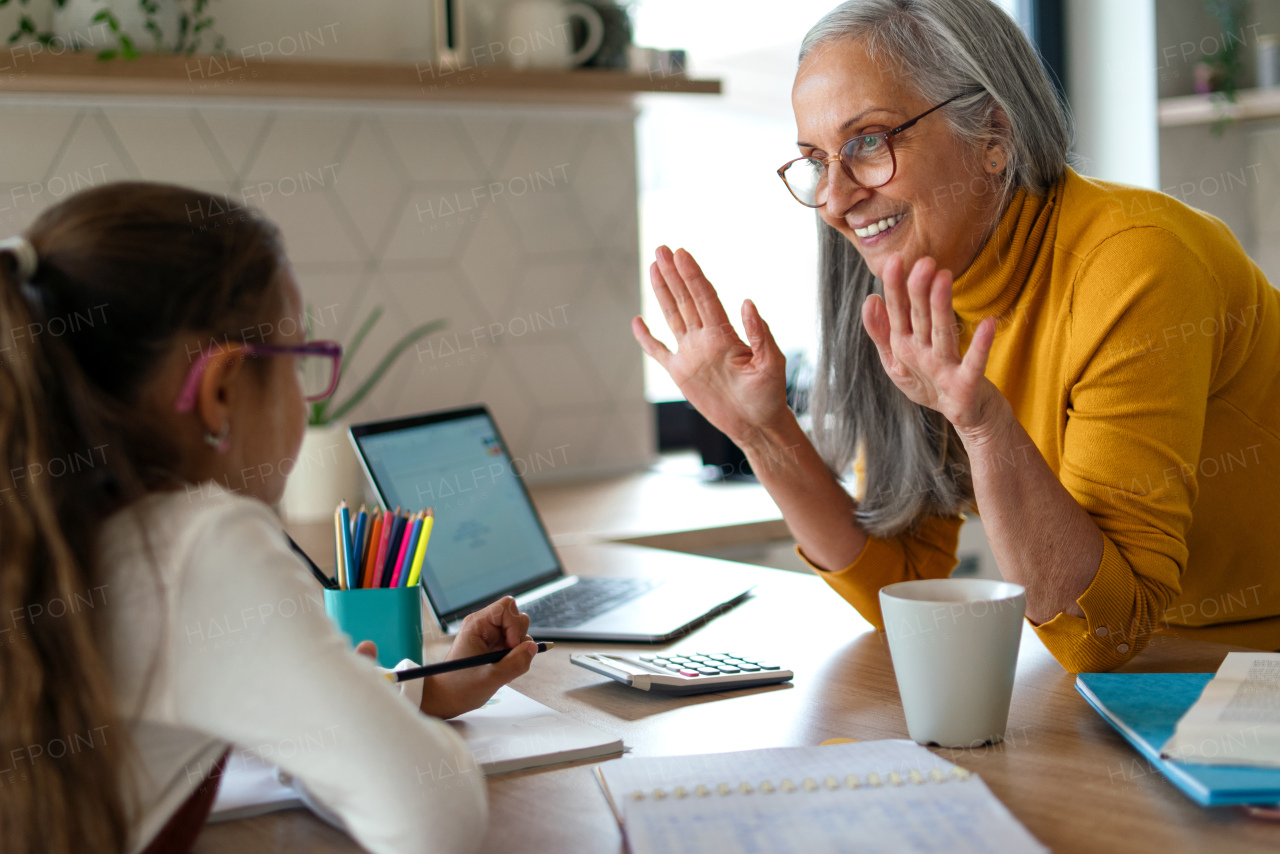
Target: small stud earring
[{"x": 222, "y": 441}]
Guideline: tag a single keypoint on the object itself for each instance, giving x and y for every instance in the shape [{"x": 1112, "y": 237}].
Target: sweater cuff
[
  {"x": 1102, "y": 639},
  {"x": 859, "y": 583}
]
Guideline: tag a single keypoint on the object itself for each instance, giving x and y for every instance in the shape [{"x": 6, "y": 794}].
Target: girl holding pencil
[{"x": 153, "y": 378}]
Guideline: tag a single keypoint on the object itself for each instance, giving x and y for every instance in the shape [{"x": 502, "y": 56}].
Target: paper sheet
[
  {"x": 1236, "y": 721},
  {"x": 958, "y": 816}
]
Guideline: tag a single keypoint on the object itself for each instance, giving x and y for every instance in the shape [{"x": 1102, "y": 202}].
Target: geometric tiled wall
[{"x": 518, "y": 224}]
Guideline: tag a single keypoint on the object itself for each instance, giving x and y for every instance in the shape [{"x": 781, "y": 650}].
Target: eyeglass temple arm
[{"x": 906, "y": 125}]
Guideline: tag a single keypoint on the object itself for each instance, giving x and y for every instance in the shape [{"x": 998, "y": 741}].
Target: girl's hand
[
  {"x": 739, "y": 387},
  {"x": 916, "y": 334},
  {"x": 499, "y": 626}
]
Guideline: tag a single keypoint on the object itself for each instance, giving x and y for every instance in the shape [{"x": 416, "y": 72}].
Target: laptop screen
[{"x": 487, "y": 538}]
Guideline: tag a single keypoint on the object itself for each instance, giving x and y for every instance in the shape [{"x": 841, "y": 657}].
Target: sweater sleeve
[
  {"x": 928, "y": 551},
  {"x": 260, "y": 665},
  {"x": 1138, "y": 378}
]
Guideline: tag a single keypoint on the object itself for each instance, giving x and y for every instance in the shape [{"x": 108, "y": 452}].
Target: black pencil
[
  {"x": 457, "y": 664},
  {"x": 315, "y": 570}
]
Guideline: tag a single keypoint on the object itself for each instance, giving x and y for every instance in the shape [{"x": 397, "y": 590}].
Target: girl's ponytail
[{"x": 62, "y": 745}]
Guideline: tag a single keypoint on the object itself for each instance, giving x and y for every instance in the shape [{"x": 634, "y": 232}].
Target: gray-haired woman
[{"x": 1101, "y": 364}]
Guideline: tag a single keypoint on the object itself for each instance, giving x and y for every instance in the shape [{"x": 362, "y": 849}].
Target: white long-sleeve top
[{"x": 218, "y": 637}]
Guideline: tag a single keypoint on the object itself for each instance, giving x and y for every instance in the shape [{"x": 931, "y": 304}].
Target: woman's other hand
[
  {"x": 916, "y": 334},
  {"x": 740, "y": 387},
  {"x": 499, "y": 626}
]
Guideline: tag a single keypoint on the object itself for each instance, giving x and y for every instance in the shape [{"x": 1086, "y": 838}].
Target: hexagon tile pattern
[{"x": 517, "y": 225}]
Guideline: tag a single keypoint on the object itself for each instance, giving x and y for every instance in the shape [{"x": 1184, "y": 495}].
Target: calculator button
[
  {"x": 688, "y": 673},
  {"x": 674, "y": 668},
  {"x": 769, "y": 666},
  {"x": 726, "y": 669},
  {"x": 708, "y": 671},
  {"x": 749, "y": 668},
  {"x": 648, "y": 657},
  {"x": 719, "y": 656}
]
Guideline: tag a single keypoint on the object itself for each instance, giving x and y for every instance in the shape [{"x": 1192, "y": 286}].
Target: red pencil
[
  {"x": 381, "y": 559},
  {"x": 371, "y": 548}
]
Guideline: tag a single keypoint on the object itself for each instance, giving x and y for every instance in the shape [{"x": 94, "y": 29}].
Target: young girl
[{"x": 151, "y": 612}]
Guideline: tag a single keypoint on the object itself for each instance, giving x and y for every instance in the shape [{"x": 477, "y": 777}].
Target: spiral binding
[{"x": 808, "y": 784}]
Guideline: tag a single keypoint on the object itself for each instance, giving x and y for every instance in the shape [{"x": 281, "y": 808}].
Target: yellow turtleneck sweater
[{"x": 1140, "y": 349}]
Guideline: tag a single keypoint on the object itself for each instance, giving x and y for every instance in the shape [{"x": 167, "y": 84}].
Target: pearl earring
[{"x": 222, "y": 441}]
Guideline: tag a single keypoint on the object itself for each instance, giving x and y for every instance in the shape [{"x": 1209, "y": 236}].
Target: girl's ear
[{"x": 218, "y": 387}]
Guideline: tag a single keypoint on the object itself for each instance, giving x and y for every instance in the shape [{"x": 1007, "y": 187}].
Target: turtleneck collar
[{"x": 1016, "y": 252}]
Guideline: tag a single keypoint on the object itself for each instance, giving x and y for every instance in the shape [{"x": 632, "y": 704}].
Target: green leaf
[
  {"x": 358, "y": 339},
  {"x": 107, "y": 55},
  {"x": 408, "y": 340},
  {"x": 3, "y": 3}
]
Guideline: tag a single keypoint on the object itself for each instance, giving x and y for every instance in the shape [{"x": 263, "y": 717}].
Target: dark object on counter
[{"x": 617, "y": 35}]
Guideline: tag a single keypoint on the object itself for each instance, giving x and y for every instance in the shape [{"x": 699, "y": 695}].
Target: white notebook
[
  {"x": 510, "y": 733},
  {"x": 874, "y": 796}
]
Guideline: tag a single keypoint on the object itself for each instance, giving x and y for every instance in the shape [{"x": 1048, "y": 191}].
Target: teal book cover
[{"x": 1145, "y": 708}]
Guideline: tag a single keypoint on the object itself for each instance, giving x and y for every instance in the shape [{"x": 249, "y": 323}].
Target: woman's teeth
[{"x": 877, "y": 227}]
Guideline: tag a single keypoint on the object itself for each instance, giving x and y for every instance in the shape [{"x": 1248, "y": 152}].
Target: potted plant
[
  {"x": 117, "y": 28},
  {"x": 326, "y": 470}
]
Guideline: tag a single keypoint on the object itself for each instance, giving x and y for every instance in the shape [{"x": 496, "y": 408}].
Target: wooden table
[{"x": 1062, "y": 770}]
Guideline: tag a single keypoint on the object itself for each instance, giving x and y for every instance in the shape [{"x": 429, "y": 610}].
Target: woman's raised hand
[
  {"x": 739, "y": 387},
  {"x": 915, "y": 331}
]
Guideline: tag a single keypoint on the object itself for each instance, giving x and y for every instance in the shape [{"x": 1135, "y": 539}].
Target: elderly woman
[{"x": 1095, "y": 368}]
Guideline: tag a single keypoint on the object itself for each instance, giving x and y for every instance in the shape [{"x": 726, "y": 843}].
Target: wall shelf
[
  {"x": 1251, "y": 104},
  {"x": 234, "y": 76}
]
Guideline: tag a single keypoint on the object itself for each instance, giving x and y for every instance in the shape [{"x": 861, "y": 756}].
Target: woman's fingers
[
  {"x": 918, "y": 286},
  {"x": 666, "y": 301},
  {"x": 679, "y": 292},
  {"x": 706, "y": 302},
  {"x": 946, "y": 344},
  {"x": 652, "y": 347},
  {"x": 974, "y": 364},
  {"x": 875, "y": 318},
  {"x": 759, "y": 337},
  {"x": 897, "y": 301}
]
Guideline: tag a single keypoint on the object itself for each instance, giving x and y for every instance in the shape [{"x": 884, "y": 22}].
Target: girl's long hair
[{"x": 122, "y": 270}]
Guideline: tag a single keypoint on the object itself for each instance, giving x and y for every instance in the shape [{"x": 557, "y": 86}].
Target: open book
[
  {"x": 1236, "y": 721},
  {"x": 511, "y": 732},
  {"x": 868, "y": 796}
]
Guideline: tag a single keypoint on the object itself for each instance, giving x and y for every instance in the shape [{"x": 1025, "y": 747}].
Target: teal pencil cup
[{"x": 391, "y": 617}]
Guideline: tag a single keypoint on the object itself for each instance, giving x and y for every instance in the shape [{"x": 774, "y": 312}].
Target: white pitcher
[{"x": 539, "y": 34}]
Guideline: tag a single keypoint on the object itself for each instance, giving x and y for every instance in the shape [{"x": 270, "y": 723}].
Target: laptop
[{"x": 489, "y": 542}]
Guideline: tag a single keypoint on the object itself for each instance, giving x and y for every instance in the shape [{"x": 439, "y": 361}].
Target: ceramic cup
[
  {"x": 954, "y": 643},
  {"x": 539, "y": 34}
]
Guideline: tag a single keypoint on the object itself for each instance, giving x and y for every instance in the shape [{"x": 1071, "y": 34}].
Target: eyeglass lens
[
  {"x": 315, "y": 373},
  {"x": 868, "y": 159}
]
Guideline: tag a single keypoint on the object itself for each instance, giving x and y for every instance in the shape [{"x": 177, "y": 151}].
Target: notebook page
[
  {"x": 953, "y": 817},
  {"x": 800, "y": 800},
  {"x": 625, "y": 776}
]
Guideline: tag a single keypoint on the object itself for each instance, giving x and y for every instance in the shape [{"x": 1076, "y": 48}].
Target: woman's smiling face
[{"x": 941, "y": 202}]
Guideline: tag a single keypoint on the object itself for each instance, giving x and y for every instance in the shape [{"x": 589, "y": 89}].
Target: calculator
[{"x": 684, "y": 673}]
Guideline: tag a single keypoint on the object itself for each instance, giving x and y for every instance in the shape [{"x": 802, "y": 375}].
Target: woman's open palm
[
  {"x": 915, "y": 332},
  {"x": 738, "y": 386}
]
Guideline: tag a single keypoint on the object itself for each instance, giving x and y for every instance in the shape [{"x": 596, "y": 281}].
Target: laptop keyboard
[{"x": 588, "y": 598}]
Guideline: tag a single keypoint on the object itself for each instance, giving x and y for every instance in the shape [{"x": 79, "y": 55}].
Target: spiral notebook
[{"x": 866, "y": 796}]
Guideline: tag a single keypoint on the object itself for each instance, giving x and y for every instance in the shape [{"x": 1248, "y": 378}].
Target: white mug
[
  {"x": 954, "y": 644},
  {"x": 538, "y": 34}
]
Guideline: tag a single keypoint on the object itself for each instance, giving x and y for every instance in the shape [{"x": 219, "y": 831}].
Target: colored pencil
[
  {"x": 339, "y": 551},
  {"x": 406, "y": 559},
  {"x": 457, "y": 664},
  {"x": 347, "y": 551},
  {"x": 371, "y": 548},
  {"x": 393, "y": 550},
  {"x": 380, "y": 558},
  {"x": 428, "y": 522},
  {"x": 357, "y": 546}
]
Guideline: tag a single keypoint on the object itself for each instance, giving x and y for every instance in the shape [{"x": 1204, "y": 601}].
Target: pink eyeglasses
[{"x": 318, "y": 364}]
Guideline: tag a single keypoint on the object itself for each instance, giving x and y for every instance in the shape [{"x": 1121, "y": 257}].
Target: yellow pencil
[
  {"x": 339, "y": 564},
  {"x": 428, "y": 522}
]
